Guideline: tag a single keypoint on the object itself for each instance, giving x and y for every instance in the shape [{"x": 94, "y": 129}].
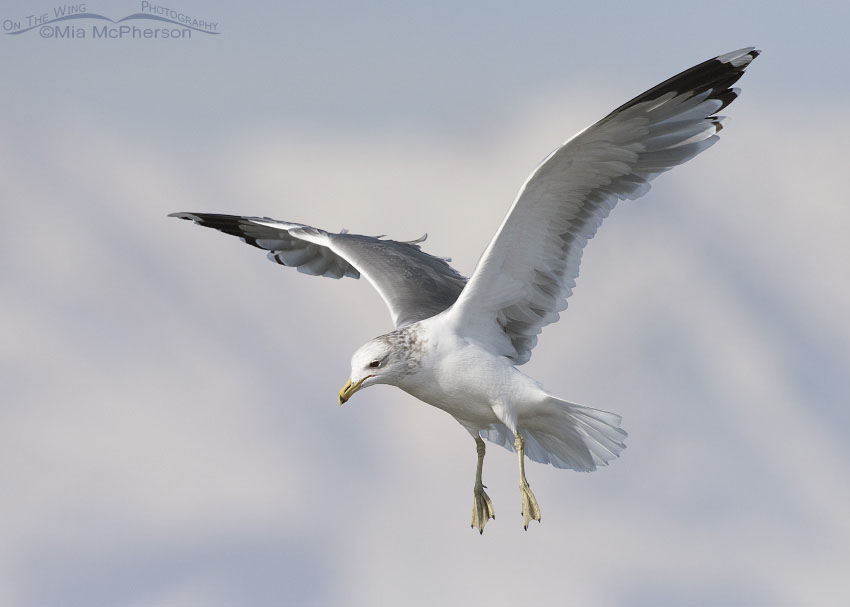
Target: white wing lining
[{"x": 528, "y": 270}]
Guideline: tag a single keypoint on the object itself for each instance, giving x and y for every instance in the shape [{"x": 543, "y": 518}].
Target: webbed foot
[
  {"x": 530, "y": 509},
  {"x": 482, "y": 508}
]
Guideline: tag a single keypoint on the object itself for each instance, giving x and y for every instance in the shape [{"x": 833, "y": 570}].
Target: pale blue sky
[{"x": 169, "y": 432}]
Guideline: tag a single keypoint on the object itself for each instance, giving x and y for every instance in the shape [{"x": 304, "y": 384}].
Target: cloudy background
[{"x": 169, "y": 433}]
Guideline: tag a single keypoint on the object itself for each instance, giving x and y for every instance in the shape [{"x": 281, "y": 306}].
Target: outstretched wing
[
  {"x": 413, "y": 284},
  {"x": 528, "y": 270}
]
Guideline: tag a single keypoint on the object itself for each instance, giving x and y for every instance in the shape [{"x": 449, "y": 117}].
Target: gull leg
[
  {"x": 482, "y": 507},
  {"x": 530, "y": 509}
]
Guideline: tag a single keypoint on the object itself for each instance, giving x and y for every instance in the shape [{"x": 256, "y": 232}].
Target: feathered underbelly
[
  {"x": 471, "y": 384},
  {"x": 467, "y": 406}
]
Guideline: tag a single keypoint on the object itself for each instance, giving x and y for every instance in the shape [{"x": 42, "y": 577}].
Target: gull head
[{"x": 383, "y": 360}]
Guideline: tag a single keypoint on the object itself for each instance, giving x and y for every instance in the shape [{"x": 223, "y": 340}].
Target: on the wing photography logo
[{"x": 75, "y": 22}]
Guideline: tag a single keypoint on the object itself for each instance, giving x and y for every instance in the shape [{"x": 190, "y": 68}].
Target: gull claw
[
  {"x": 530, "y": 509},
  {"x": 482, "y": 508}
]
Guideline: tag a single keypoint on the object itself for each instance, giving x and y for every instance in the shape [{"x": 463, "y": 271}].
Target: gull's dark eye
[{"x": 374, "y": 364}]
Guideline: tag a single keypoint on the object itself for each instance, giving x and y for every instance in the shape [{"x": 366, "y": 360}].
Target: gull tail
[{"x": 565, "y": 435}]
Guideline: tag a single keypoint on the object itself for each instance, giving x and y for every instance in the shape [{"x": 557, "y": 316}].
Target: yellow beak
[{"x": 349, "y": 389}]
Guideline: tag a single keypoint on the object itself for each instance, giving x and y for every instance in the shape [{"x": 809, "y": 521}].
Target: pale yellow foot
[
  {"x": 482, "y": 508},
  {"x": 530, "y": 509}
]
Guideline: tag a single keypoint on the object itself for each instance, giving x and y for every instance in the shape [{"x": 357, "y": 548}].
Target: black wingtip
[{"x": 717, "y": 74}]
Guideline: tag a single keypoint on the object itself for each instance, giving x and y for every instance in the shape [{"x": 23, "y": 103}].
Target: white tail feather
[{"x": 565, "y": 435}]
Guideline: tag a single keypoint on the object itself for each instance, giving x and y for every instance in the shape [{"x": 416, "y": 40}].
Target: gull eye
[{"x": 374, "y": 364}]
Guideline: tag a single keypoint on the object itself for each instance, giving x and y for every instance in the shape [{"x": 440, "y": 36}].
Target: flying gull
[{"x": 458, "y": 342}]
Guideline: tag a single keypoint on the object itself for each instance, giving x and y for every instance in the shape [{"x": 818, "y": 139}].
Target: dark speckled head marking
[
  {"x": 388, "y": 358},
  {"x": 406, "y": 343}
]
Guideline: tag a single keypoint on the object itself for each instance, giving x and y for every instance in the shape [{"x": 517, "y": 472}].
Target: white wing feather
[{"x": 528, "y": 270}]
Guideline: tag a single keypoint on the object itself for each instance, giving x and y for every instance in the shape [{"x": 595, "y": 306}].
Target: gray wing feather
[
  {"x": 528, "y": 270},
  {"x": 413, "y": 284}
]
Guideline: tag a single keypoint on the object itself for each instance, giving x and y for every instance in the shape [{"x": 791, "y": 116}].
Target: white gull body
[
  {"x": 478, "y": 388},
  {"x": 487, "y": 394},
  {"x": 457, "y": 343}
]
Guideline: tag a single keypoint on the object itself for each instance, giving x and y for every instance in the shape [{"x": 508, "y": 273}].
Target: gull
[{"x": 457, "y": 342}]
